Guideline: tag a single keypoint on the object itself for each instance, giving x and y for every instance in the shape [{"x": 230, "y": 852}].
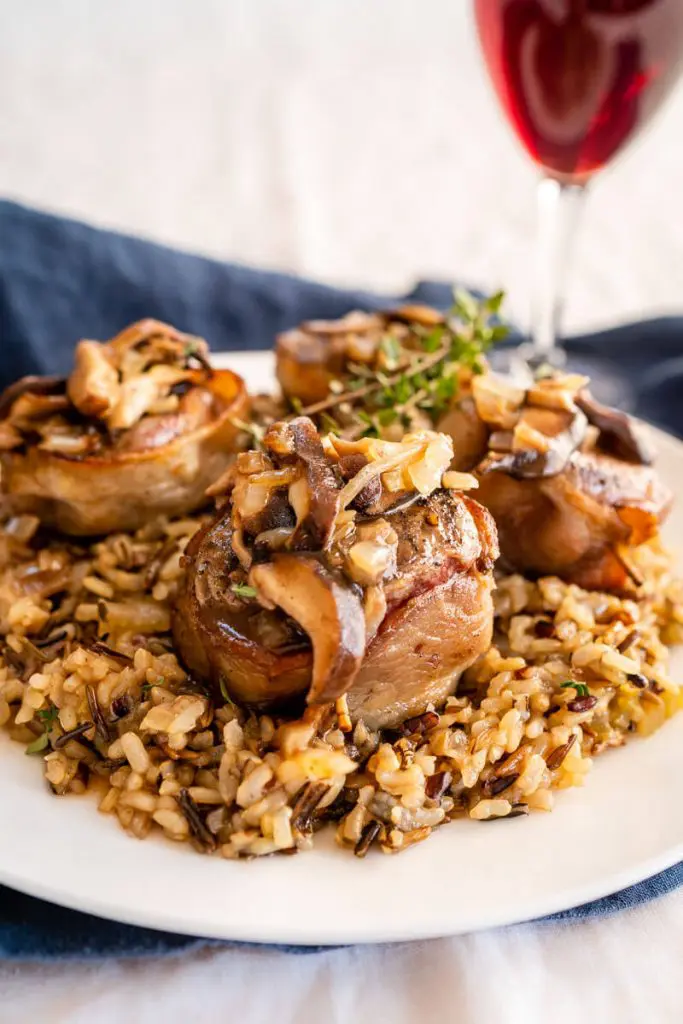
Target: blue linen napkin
[{"x": 61, "y": 280}]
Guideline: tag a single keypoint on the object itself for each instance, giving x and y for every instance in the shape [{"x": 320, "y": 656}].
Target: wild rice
[{"x": 95, "y": 690}]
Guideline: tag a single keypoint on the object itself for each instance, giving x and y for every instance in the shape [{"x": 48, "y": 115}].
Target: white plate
[{"x": 626, "y": 825}]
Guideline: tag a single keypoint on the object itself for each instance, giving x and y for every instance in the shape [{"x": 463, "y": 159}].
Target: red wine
[{"x": 577, "y": 78}]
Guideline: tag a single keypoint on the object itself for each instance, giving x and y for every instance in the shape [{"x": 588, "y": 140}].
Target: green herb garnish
[
  {"x": 254, "y": 429},
  {"x": 48, "y": 717},
  {"x": 243, "y": 591},
  {"x": 581, "y": 688},
  {"x": 146, "y": 687},
  {"x": 226, "y": 696},
  {"x": 386, "y": 417},
  {"x": 434, "y": 340},
  {"x": 329, "y": 424},
  {"x": 465, "y": 305},
  {"x": 421, "y": 371}
]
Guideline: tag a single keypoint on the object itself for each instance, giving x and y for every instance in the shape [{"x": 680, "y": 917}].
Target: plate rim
[{"x": 251, "y": 933}]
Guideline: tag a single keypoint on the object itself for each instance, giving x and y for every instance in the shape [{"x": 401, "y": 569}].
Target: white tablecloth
[
  {"x": 357, "y": 142},
  {"x": 620, "y": 970}
]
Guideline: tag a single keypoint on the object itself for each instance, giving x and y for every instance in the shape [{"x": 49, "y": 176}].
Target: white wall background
[{"x": 353, "y": 140}]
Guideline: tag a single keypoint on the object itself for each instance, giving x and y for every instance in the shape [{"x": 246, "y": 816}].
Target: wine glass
[{"x": 577, "y": 79}]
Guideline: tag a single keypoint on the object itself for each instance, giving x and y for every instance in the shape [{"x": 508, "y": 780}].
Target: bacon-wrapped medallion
[
  {"x": 339, "y": 568},
  {"x": 568, "y": 481},
  {"x": 141, "y": 427}
]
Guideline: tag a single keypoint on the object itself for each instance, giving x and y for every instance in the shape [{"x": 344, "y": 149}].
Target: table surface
[{"x": 358, "y": 143}]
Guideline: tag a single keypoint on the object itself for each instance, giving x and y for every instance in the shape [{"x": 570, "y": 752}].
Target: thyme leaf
[
  {"x": 48, "y": 717},
  {"x": 581, "y": 688}
]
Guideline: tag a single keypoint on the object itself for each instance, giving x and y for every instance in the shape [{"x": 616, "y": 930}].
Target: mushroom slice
[
  {"x": 418, "y": 313},
  {"x": 9, "y": 437},
  {"x": 32, "y": 407},
  {"x": 138, "y": 394},
  {"x": 618, "y": 433},
  {"x": 299, "y": 438},
  {"x": 534, "y": 463},
  {"x": 327, "y": 608},
  {"x": 32, "y": 385},
  {"x": 193, "y": 411},
  {"x": 93, "y": 387}
]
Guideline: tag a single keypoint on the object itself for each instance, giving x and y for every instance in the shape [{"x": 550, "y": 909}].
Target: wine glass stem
[{"x": 559, "y": 206}]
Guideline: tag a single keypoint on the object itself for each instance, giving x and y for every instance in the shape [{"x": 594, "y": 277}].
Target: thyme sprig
[{"x": 419, "y": 373}]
